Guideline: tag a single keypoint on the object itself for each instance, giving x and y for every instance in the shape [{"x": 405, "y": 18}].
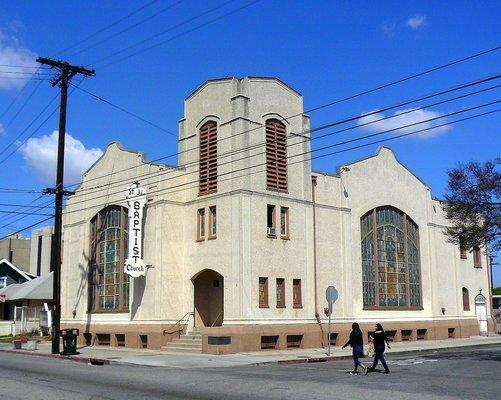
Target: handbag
[{"x": 369, "y": 350}]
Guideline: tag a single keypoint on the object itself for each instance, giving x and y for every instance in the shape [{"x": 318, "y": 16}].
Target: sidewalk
[{"x": 156, "y": 358}]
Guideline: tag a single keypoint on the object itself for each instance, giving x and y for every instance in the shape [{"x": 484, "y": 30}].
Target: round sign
[{"x": 331, "y": 294}]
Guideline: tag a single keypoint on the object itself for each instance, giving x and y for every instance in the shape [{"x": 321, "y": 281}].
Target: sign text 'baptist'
[{"x": 136, "y": 199}]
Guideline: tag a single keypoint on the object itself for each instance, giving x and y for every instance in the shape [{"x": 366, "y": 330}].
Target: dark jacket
[
  {"x": 356, "y": 339},
  {"x": 380, "y": 339}
]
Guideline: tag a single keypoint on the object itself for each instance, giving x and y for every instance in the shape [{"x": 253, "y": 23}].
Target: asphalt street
[{"x": 457, "y": 374}]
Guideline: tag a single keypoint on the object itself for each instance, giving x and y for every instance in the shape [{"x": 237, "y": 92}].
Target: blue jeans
[
  {"x": 379, "y": 356},
  {"x": 358, "y": 351}
]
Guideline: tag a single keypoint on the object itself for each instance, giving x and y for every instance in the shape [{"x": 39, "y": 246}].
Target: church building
[{"x": 233, "y": 248}]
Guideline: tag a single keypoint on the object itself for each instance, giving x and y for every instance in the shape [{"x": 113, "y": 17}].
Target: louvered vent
[
  {"x": 208, "y": 158},
  {"x": 276, "y": 156}
]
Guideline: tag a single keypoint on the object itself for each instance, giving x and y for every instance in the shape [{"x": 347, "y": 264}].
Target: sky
[{"x": 150, "y": 55}]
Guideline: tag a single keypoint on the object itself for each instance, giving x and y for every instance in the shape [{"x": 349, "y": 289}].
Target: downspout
[
  {"x": 313, "y": 185},
  {"x": 315, "y": 280}
]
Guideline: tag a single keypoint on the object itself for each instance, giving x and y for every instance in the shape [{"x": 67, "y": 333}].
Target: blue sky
[{"x": 326, "y": 50}]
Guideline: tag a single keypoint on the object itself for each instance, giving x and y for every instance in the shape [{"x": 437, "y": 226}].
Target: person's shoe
[
  {"x": 353, "y": 372},
  {"x": 386, "y": 371}
]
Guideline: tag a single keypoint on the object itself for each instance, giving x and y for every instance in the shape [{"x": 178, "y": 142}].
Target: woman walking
[
  {"x": 380, "y": 339},
  {"x": 356, "y": 341}
]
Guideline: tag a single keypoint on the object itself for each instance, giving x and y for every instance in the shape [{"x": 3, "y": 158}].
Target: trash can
[{"x": 69, "y": 341}]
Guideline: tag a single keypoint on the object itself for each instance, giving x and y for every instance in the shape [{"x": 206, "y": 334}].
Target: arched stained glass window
[
  {"x": 390, "y": 260},
  {"x": 108, "y": 284}
]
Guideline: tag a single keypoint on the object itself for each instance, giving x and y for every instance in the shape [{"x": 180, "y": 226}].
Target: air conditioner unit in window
[{"x": 271, "y": 231}]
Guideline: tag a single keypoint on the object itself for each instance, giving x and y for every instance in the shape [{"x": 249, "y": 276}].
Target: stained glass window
[
  {"x": 109, "y": 286},
  {"x": 390, "y": 259}
]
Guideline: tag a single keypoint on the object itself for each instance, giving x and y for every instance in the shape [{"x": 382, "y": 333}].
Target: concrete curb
[
  {"x": 303, "y": 360},
  {"x": 86, "y": 360},
  {"x": 345, "y": 357}
]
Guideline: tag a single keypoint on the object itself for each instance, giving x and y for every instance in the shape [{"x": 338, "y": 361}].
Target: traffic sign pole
[{"x": 331, "y": 295}]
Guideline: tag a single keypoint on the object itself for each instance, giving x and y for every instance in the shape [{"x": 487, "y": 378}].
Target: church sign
[{"x": 136, "y": 199}]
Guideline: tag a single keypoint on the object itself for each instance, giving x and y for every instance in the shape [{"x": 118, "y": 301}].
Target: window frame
[
  {"x": 95, "y": 259},
  {"x": 201, "y": 224},
  {"x": 280, "y": 292},
  {"x": 212, "y": 228},
  {"x": 477, "y": 257},
  {"x": 273, "y": 220},
  {"x": 372, "y": 214},
  {"x": 286, "y": 234},
  {"x": 3, "y": 282},
  {"x": 263, "y": 283},
  {"x": 276, "y": 156},
  {"x": 207, "y": 158},
  {"x": 463, "y": 251},
  {"x": 297, "y": 296},
  {"x": 466, "y": 299}
]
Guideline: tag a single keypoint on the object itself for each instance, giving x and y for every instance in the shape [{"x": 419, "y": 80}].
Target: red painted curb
[{"x": 93, "y": 361}]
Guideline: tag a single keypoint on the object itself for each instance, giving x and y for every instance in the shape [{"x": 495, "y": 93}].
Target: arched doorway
[
  {"x": 208, "y": 298},
  {"x": 481, "y": 312}
]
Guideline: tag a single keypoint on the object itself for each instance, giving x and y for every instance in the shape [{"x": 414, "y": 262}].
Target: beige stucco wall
[
  {"x": 378, "y": 181},
  {"x": 242, "y": 252}
]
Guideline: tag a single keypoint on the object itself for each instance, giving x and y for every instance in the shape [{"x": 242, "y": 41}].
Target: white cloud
[
  {"x": 416, "y": 21},
  {"x": 411, "y": 116},
  {"x": 40, "y": 155},
  {"x": 2, "y": 129},
  {"x": 21, "y": 58}
]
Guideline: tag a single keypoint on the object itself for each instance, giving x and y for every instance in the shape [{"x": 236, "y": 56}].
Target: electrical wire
[
  {"x": 19, "y": 145},
  {"x": 73, "y": 203},
  {"x": 175, "y": 36},
  {"x": 329, "y": 125},
  {"x": 26, "y": 228},
  {"x": 105, "y": 28},
  {"x": 157, "y": 13},
  {"x": 296, "y": 162},
  {"x": 362, "y": 93},
  {"x": 125, "y": 111},
  {"x": 23, "y": 213}
]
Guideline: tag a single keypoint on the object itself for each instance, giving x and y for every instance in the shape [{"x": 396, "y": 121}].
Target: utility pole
[{"x": 63, "y": 78}]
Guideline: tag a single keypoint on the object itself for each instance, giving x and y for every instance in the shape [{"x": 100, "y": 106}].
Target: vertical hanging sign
[{"x": 136, "y": 199}]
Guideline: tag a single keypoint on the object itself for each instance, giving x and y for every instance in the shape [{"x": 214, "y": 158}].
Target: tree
[
  {"x": 496, "y": 290},
  {"x": 473, "y": 205}
]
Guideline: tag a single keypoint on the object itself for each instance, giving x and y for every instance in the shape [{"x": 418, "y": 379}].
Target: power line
[
  {"x": 23, "y": 105},
  {"x": 125, "y": 111},
  {"x": 23, "y": 213},
  {"x": 125, "y": 29},
  {"x": 299, "y": 161},
  {"x": 23, "y": 73},
  {"x": 25, "y": 228},
  {"x": 175, "y": 36},
  {"x": 105, "y": 28},
  {"x": 20, "y": 205},
  {"x": 19, "y": 145},
  {"x": 338, "y": 122},
  {"x": 15, "y": 99},
  {"x": 15, "y": 190},
  {"x": 21, "y": 66},
  {"x": 6, "y": 221},
  {"x": 6, "y": 218},
  {"x": 359, "y": 94},
  {"x": 28, "y": 127},
  {"x": 72, "y": 203}
]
